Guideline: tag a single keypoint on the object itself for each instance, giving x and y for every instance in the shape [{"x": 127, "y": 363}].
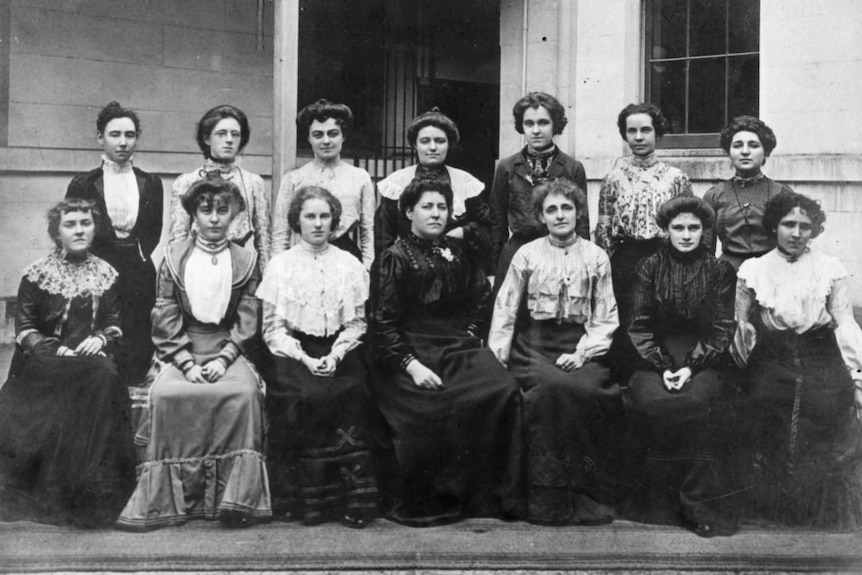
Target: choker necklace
[{"x": 212, "y": 248}]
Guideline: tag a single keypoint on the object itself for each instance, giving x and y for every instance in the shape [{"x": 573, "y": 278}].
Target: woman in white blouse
[
  {"x": 326, "y": 125},
  {"x": 554, "y": 319},
  {"x": 804, "y": 354},
  {"x": 314, "y": 298}
]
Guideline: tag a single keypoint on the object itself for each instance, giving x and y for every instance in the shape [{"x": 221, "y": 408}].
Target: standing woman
[
  {"x": 203, "y": 426},
  {"x": 453, "y": 410},
  {"x": 131, "y": 203},
  {"x": 431, "y": 134},
  {"x": 628, "y": 201},
  {"x": 539, "y": 117},
  {"x": 553, "y": 320},
  {"x": 739, "y": 202},
  {"x": 319, "y": 407},
  {"x": 803, "y": 405},
  {"x": 222, "y": 134},
  {"x": 66, "y": 453},
  {"x": 326, "y": 125},
  {"x": 681, "y": 326}
]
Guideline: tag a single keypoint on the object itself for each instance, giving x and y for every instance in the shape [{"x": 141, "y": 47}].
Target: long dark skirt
[
  {"x": 66, "y": 453},
  {"x": 320, "y": 460},
  {"x": 136, "y": 287},
  {"x": 458, "y": 450},
  {"x": 622, "y": 357},
  {"x": 805, "y": 442},
  {"x": 679, "y": 435},
  {"x": 569, "y": 419}
]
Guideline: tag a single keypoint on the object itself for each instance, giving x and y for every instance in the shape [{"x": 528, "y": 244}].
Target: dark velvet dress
[
  {"x": 458, "y": 450},
  {"x": 682, "y": 317},
  {"x": 66, "y": 453}
]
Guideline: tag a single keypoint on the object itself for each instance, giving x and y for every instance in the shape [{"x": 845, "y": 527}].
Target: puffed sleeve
[
  {"x": 368, "y": 202},
  {"x": 604, "y": 318},
  {"x": 181, "y": 223},
  {"x": 108, "y": 316},
  {"x": 387, "y": 310},
  {"x": 847, "y": 331},
  {"x": 27, "y": 334},
  {"x": 499, "y": 200},
  {"x": 244, "y": 331},
  {"x": 607, "y": 207},
  {"x": 642, "y": 330},
  {"x": 280, "y": 229},
  {"x": 260, "y": 215},
  {"x": 385, "y": 224},
  {"x": 721, "y": 329},
  {"x": 169, "y": 333},
  {"x": 506, "y": 307}
]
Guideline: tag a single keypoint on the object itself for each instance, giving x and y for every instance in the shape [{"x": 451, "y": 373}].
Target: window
[{"x": 702, "y": 65}]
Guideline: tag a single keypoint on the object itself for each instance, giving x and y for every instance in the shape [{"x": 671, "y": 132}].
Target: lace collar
[
  {"x": 113, "y": 167},
  {"x": 59, "y": 275}
]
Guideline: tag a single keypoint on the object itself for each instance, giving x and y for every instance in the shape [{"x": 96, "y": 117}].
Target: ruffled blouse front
[
  {"x": 315, "y": 291},
  {"x": 801, "y": 294},
  {"x": 569, "y": 282}
]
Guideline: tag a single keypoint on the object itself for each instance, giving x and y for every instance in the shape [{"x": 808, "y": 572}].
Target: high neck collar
[
  {"x": 558, "y": 243},
  {"x": 211, "y": 247},
  {"x": 792, "y": 258},
  {"x": 743, "y": 182},
  {"x": 323, "y": 164},
  {"x": 113, "y": 167},
  {"x": 645, "y": 161},
  {"x": 532, "y": 154},
  {"x": 73, "y": 258},
  {"x": 422, "y": 242},
  {"x": 316, "y": 250},
  {"x": 212, "y": 165},
  {"x": 694, "y": 254}
]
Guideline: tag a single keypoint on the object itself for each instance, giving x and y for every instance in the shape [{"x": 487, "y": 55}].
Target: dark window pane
[
  {"x": 744, "y": 30},
  {"x": 708, "y": 27},
  {"x": 743, "y": 83},
  {"x": 668, "y": 28},
  {"x": 706, "y": 95},
  {"x": 667, "y": 91}
]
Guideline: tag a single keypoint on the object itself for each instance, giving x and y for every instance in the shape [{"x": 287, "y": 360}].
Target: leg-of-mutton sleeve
[
  {"x": 280, "y": 229},
  {"x": 387, "y": 309},
  {"x": 716, "y": 341},
  {"x": 499, "y": 200},
  {"x": 847, "y": 331},
  {"x": 260, "y": 218},
  {"x": 181, "y": 222},
  {"x": 27, "y": 333},
  {"x": 244, "y": 330},
  {"x": 506, "y": 308},
  {"x": 169, "y": 335},
  {"x": 607, "y": 202},
  {"x": 604, "y": 319},
  {"x": 367, "y": 204},
  {"x": 277, "y": 334},
  {"x": 642, "y": 329}
]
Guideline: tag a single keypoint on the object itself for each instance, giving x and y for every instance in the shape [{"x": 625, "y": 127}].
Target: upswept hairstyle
[
  {"x": 213, "y": 116},
  {"x": 312, "y": 193},
  {"x": 414, "y": 190},
  {"x": 112, "y": 111},
  {"x": 210, "y": 191},
  {"x": 564, "y": 187},
  {"x": 659, "y": 122},
  {"x": 783, "y": 203},
  {"x": 546, "y": 101},
  {"x": 748, "y": 124},
  {"x": 321, "y": 111},
  {"x": 433, "y": 117},
  {"x": 56, "y": 213},
  {"x": 684, "y": 205}
]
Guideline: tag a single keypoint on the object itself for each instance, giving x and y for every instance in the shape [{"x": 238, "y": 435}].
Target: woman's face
[
  {"x": 326, "y": 139},
  {"x": 538, "y": 128},
  {"x": 76, "y": 231},
  {"x": 746, "y": 154},
  {"x": 214, "y": 219},
  {"x": 640, "y": 134},
  {"x": 428, "y": 217},
  {"x": 560, "y": 215},
  {"x": 794, "y": 231},
  {"x": 315, "y": 221},
  {"x": 224, "y": 140},
  {"x": 685, "y": 232},
  {"x": 119, "y": 140},
  {"x": 432, "y": 145}
]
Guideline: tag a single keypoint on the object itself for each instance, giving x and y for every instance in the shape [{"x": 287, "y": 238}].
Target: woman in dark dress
[
  {"x": 66, "y": 453},
  {"x": 130, "y": 201},
  {"x": 803, "y": 406},
  {"x": 431, "y": 134},
  {"x": 314, "y": 297},
  {"x": 682, "y": 325},
  {"x": 553, "y": 321},
  {"x": 453, "y": 410},
  {"x": 739, "y": 202}
]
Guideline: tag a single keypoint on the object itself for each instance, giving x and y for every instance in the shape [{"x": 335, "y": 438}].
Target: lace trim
[{"x": 57, "y": 275}]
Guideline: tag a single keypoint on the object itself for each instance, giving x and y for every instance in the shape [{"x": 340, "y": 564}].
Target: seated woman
[
  {"x": 431, "y": 134},
  {"x": 553, "y": 319},
  {"x": 804, "y": 354},
  {"x": 314, "y": 299},
  {"x": 682, "y": 325},
  {"x": 453, "y": 411},
  {"x": 203, "y": 429},
  {"x": 66, "y": 453}
]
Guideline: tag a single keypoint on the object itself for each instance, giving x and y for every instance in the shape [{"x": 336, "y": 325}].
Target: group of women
[{"x": 434, "y": 355}]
